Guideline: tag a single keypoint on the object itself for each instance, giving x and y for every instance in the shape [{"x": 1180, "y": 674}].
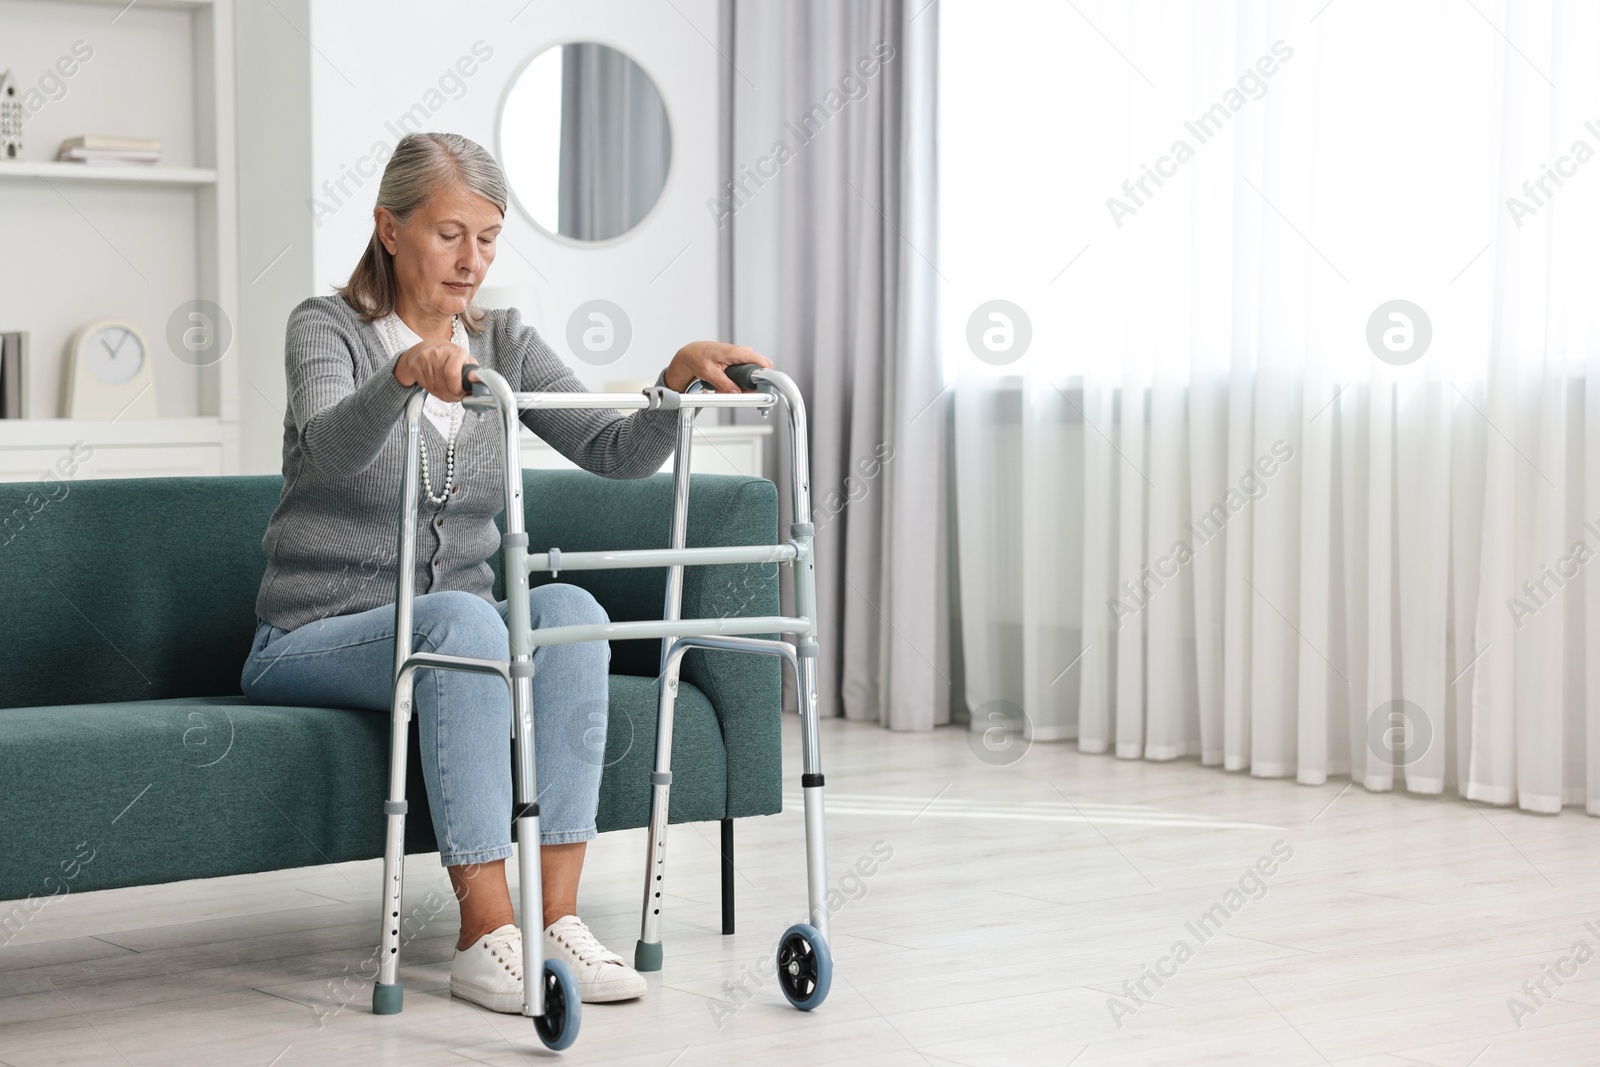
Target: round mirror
[{"x": 584, "y": 141}]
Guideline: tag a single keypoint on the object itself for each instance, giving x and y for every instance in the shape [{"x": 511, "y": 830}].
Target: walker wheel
[
  {"x": 563, "y": 1006},
  {"x": 805, "y": 966}
]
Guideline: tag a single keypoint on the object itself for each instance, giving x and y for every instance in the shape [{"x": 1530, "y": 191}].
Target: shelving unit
[{"x": 133, "y": 241}]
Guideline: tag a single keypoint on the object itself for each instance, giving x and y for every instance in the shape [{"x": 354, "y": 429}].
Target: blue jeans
[{"x": 463, "y": 720}]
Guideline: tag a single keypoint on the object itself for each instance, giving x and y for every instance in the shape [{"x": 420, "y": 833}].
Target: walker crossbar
[
  {"x": 803, "y": 946},
  {"x": 663, "y": 557},
  {"x": 627, "y": 631},
  {"x": 470, "y": 664},
  {"x": 737, "y": 644},
  {"x": 650, "y": 400}
]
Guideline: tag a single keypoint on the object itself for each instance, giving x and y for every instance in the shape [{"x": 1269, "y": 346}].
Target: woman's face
[{"x": 442, "y": 252}]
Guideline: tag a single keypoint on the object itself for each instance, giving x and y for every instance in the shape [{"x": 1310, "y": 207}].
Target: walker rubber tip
[
  {"x": 647, "y": 957},
  {"x": 386, "y": 998}
]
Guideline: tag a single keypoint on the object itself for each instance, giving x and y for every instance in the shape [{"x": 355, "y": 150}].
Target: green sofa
[{"x": 127, "y": 608}]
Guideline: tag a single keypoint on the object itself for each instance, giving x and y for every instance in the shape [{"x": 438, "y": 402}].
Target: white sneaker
[
  {"x": 489, "y": 971},
  {"x": 602, "y": 975}
]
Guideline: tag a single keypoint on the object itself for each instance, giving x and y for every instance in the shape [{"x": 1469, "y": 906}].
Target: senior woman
[{"x": 405, "y": 320}]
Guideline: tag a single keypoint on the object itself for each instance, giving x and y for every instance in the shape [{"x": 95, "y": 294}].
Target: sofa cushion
[
  {"x": 129, "y": 589},
  {"x": 700, "y": 790},
  {"x": 162, "y": 790}
]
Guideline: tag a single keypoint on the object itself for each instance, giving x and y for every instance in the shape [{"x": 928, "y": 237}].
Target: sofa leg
[{"x": 727, "y": 876}]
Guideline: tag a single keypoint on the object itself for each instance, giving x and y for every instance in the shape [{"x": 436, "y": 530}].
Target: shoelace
[
  {"x": 511, "y": 944},
  {"x": 588, "y": 948}
]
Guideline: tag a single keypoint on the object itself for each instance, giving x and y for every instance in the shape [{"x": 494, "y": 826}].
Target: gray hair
[{"x": 422, "y": 165}]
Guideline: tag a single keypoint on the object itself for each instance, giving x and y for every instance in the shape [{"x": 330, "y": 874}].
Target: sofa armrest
[{"x": 576, "y": 511}]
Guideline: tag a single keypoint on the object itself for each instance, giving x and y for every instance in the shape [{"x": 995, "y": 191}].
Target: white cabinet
[{"x": 137, "y": 448}]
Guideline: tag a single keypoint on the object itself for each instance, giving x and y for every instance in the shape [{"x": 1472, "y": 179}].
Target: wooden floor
[{"x": 1046, "y": 912}]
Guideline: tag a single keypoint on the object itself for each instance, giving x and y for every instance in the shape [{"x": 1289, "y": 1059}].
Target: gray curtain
[
  {"x": 616, "y": 145},
  {"x": 832, "y": 205}
]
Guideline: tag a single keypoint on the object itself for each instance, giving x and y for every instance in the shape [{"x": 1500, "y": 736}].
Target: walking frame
[{"x": 550, "y": 994}]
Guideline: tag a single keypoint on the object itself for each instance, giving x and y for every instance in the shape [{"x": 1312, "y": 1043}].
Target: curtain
[
  {"x": 831, "y": 201},
  {"x": 616, "y": 145},
  {"x": 1301, "y": 475}
]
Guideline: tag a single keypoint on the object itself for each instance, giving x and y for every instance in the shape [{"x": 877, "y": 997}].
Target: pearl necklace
[{"x": 458, "y": 337}]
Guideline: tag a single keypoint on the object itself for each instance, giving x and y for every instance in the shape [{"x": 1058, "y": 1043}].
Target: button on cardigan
[{"x": 331, "y": 542}]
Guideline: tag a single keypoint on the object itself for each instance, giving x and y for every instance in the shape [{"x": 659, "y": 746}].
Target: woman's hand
[
  {"x": 707, "y": 361},
  {"x": 436, "y": 366}
]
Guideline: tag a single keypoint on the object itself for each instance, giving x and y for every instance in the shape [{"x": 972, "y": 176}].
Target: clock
[{"x": 108, "y": 373}]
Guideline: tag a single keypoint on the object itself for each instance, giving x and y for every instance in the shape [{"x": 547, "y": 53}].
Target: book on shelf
[
  {"x": 109, "y": 150},
  {"x": 113, "y": 144},
  {"x": 93, "y": 157},
  {"x": 13, "y": 353}
]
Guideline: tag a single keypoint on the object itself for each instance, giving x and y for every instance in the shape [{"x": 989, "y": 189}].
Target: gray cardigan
[{"x": 331, "y": 542}]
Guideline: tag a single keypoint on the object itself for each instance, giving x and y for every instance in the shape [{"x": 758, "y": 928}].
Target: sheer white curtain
[{"x": 1233, "y": 501}]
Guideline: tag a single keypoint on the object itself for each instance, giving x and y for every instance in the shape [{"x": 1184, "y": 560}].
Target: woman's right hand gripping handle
[{"x": 439, "y": 367}]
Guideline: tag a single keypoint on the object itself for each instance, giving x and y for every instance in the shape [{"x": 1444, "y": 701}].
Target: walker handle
[
  {"x": 470, "y": 387},
  {"x": 739, "y": 374}
]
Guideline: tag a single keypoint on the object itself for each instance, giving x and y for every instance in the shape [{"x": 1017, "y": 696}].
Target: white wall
[
  {"x": 373, "y": 62},
  {"x": 273, "y": 67}
]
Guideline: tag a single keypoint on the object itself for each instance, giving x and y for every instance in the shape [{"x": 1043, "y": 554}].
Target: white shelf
[
  {"x": 139, "y": 174},
  {"x": 184, "y": 5}
]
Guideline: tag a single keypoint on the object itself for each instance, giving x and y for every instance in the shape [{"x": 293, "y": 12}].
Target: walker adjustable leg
[
  {"x": 647, "y": 954},
  {"x": 525, "y": 817},
  {"x": 727, "y": 876},
  {"x": 386, "y": 992},
  {"x": 811, "y": 789},
  {"x": 807, "y": 647}
]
